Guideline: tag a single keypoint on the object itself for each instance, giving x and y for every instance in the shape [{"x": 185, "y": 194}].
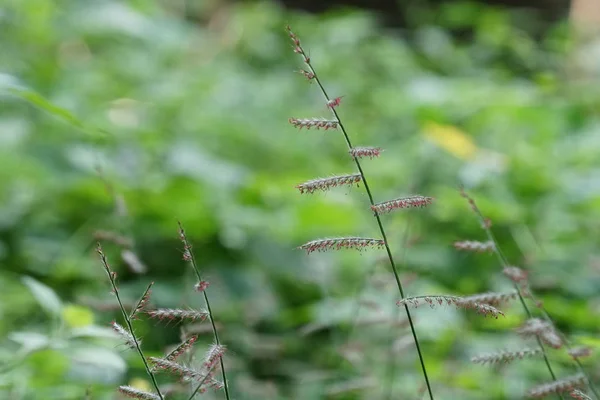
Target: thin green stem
[
  {"x": 301, "y": 51},
  {"x": 192, "y": 258},
  {"x": 128, "y": 320}
]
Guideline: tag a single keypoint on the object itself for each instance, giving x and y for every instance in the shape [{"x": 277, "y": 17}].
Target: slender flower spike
[
  {"x": 327, "y": 183},
  {"x": 177, "y": 314},
  {"x": 404, "y": 202},
  {"x": 201, "y": 286},
  {"x": 183, "y": 371},
  {"x": 580, "y": 352},
  {"x": 578, "y": 394},
  {"x": 515, "y": 274},
  {"x": 505, "y": 357},
  {"x": 471, "y": 245},
  {"x": 181, "y": 349},
  {"x": 362, "y": 152},
  {"x": 459, "y": 302},
  {"x": 214, "y": 353},
  {"x": 142, "y": 302},
  {"x": 560, "y": 386},
  {"x": 307, "y": 74},
  {"x": 333, "y": 103},
  {"x": 341, "y": 243},
  {"x": 493, "y": 299},
  {"x": 125, "y": 334},
  {"x": 134, "y": 393},
  {"x": 316, "y": 123},
  {"x": 542, "y": 329}
]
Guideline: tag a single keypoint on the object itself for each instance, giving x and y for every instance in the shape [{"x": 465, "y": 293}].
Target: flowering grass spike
[
  {"x": 472, "y": 245},
  {"x": 557, "y": 387},
  {"x": 505, "y": 357},
  {"x": 328, "y": 183},
  {"x": 341, "y": 243},
  {"x": 134, "y": 393},
  {"x": 404, "y": 202},
  {"x": 177, "y": 314},
  {"x": 317, "y": 123},
  {"x": 457, "y": 301},
  {"x": 362, "y": 152}
]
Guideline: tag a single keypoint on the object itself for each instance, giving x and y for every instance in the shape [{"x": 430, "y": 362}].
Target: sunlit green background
[{"x": 129, "y": 116}]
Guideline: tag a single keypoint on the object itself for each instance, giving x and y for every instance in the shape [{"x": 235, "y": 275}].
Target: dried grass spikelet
[
  {"x": 542, "y": 329},
  {"x": 515, "y": 274},
  {"x": 579, "y": 395},
  {"x": 327, "y": 244},
  {"x": 134, "y": 393},
  {"x": 214, "y": 353},
  {"x": 456, "y": 301},
  {"x": 177, "y": 314},
  {"x": 472, "y": 245},
  {"x": 317, "y": 123},
  {"x": 560, "y": 386},
  {"x": 492, "y": 298},
  {"x": 504, "y": 357},
  {"x": 183, "y": 347},
  {"x": 403, "y": 202},
  {"x": 125, "y": 335},
  {"x": 161, "y": 364},
  {"x": 362, "y": 152},
  {"x": 580, "y": 352},
  {"x": 142, "y": 302},
  {"x": 328, "y": 183}
]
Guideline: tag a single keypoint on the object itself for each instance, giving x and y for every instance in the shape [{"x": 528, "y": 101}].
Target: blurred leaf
[
  {"x": 30, "y": 341},
  {"x": 77, "y": 316},
  {"x": 44, "y": 295}
]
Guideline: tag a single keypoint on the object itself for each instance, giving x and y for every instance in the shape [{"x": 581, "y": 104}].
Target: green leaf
[
  {"x": 61, "y": 113},
  {"x": 44, "y": 295}
]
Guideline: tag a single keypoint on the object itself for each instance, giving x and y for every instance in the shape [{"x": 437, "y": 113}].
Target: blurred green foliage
[{"x": 128, "y": 116}]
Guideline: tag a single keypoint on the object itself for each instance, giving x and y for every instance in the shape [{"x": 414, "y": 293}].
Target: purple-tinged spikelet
[
  {"x": 125, "y": 334},
  {"x": 327, "y": 183},
  {"x": 334, "y": 102},
  {"x": 142, "y": 302},
  {"x": 181, "y": 349},
  {"x": 317, "y": 123},
  {"x": 161, "y": 364},
  {"x": 134, "y": 393},
  {"x": 177, "y": 314},
  {"x": 307, "y": 74},
  {"x": 362, "y": 152},
  {"x": 491, "y": 298},
  {"x": 505, "y": 357},
  {"x": 472, "y": 245},
  {"x": 201, "y": 286},
  {"x": 214, "y": 353},
  {"x": 542, "y": 329},
  {"x": 580, "y": 352},
  {"x": 579, "y": 395},
  {"x": 515, "y": 274},
  {"x": 404, "y": 202},
  {"x": 357, "y": 243},
  {"x": 561, "y": 386},
  {"x": 456, "y": 301}
]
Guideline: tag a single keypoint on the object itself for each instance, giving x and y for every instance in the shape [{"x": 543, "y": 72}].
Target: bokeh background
[{"x": 117, "y": 119}]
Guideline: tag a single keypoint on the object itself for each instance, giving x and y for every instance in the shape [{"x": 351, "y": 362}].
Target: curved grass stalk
[{"x": 332, "y": 103}]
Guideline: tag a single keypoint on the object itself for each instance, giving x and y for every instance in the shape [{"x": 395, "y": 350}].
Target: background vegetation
[{"x": 127, "y": 116}]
